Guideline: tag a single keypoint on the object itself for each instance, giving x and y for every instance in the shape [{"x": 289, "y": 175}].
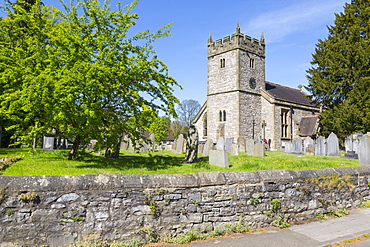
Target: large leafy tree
[
  {"x": 339, "y": 79},
  {"x": 187, "y": 111},
  {"x": 79, "y": 72}
]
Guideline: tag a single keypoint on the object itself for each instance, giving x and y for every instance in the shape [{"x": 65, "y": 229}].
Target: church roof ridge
[{"x": 286, "y": 87}]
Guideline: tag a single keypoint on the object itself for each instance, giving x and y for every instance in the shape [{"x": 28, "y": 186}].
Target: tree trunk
[{"x": 73, "y": 153}]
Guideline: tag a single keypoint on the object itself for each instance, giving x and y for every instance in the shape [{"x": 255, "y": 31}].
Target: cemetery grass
[{"x": 55, "y": 163}]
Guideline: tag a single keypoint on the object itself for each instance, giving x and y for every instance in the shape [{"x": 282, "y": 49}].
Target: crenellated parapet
[{"x": 237, "y": 41}]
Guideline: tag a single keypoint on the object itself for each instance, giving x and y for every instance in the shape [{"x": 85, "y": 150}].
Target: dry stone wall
[{"x": 59, "y": 210}]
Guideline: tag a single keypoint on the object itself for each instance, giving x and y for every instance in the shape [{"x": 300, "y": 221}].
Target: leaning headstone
[
  {"x": 332, "y": 145},
  {"x": 220, "y": 144},
  {"x": 241, "y": 142},
  {"x": 48, "y": 143},
  {"x": 207, "y": 146},
  {"x": 249, "y": 147},
  {"x": 179, "y": 144},
  {"x": 228, "y": 143},
  {"x": 307, "y": 141},
  {"x": 259, "y": 150},
  {"x": 235, "y": 149},
  {"x": 320, "y": 147},
  {"x": 192, "y": 145},
  {"x": 364, "y": 150},
  {"x": 218, "y": 158},
  {"x": 297, "y": 146},
  {"x": 288, "y": 147}
]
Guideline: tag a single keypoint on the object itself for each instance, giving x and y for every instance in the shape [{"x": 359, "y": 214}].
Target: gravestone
[
  {"x": 48, "y": 143},
  {"x": 192, "y": 145},
  {"x": 249, "y": 146},
  {"x": 364, "y": 150},
  {"x": 200, "y": 147},
  {"x": 220, "y": 144},
  {"x": 288, "y": 147},
  {"x": 91, "y": 145},
  {"x": 310, "y": 150},
  {"x": 131, "y": 147},
  {"x": 259, "y": 150},
  {"x": 241, "y": 142},
  {"x": 180, "y": 144},
  {"x": 235, "y": 149},
  {"x": 320, "y": 147},
  {"x": 349, "y": 144},
  {"x": 218, "y": 158},
  {"x": 144, "y": 148},
  {"x": 228, "y": 143},
  {"x": 332, "y": 145},
  {"x": 297, "y": 146},
  {"x": 307, "y": 141},
  {"x": 152, "y": 138},
  {"x": 207, "y": 146}
]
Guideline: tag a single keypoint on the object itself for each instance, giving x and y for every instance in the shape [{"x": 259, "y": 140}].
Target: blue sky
[{"x": 291, "y": 29}]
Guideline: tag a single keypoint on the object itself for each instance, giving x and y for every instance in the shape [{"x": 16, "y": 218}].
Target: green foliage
[
  {"x": 159, "y": 127},
  {"x": 280, "y": 222},
  {"x": 275, "y": 205},
  {"x": 365, "y": 204},
  {"x": 322, "y": 216},
  {"x": 77, "y": 71},
  {"x": 176, "y": 128},
  {"x": 238, "y": 227},
  {"x": 153, "y": 236},
  {"x": 27, "y": 197},
  {"x": 338, "y": 213},
  {"x": 9, "y": 212},
  {"x": 339, "y": 77},
  {"x": 5, "y": 164}
]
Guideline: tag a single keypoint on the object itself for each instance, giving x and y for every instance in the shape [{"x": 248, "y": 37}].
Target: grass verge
[{"x": 55, "y": 163}]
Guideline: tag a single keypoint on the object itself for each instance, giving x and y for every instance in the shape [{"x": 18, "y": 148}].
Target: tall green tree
[
  {"x": 339, "y": 79},
  {"x": 81, "y": 74}
]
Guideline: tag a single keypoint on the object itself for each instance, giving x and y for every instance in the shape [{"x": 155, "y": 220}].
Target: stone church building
[{"x": 241, "y": 103}]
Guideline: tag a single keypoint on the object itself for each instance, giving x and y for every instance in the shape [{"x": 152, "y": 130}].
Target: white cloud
[{"x": 304, "y": 15}]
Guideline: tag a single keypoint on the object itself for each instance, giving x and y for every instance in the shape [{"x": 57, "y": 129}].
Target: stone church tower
[
  {"x": 236, "y": 75},
  {"x": 241, "y": 104}
]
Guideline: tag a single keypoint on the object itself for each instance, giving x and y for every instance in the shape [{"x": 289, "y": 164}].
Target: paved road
[{"x": 314, "y": 234}]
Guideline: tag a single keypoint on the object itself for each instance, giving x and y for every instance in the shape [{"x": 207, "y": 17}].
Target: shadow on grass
[{"x": 125, "y": 162}]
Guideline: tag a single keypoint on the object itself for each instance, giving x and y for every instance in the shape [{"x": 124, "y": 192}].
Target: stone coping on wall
[{"x": 192, "y": 180}]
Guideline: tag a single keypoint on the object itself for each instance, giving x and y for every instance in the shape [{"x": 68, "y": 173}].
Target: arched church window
[
  {"x": 224, "y": 116},
  {"x": 252, "y": 63},
  {"x": 220, "y": 116},
  {"x": 222, "y": 62}
]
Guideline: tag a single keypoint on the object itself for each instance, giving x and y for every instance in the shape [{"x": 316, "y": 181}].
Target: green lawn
[{"x": 55, "y": 163}]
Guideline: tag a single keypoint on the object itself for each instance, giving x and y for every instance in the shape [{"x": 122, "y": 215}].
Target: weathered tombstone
[
  {"x": 228, "y": 143},
  {"x": 235, "y": 149},
  {"x": 307, "y": 141},
  {"x": 241, "y": 142},
  {"x": 218, "y": 158},
  {"x": 364, "y": 150},
  {"x": 131, "y": 147},
  {"x": 288, "y": 147},
  {"x": 320, "y": 147},
  {"x": 91, "y": 145},
  {"x": 48, "y": 142},
  {"x": 310, "y": 149},
  {"x": 179, "y": 144},
  {"x": 349, "y": 144},
  {"x": 249, "y": 146},
  {"x": 220, "y": 144},
  {"x": 259, "y": 150},
  {"x": 192, "y": 145},
  {"x": 144, "y": 148},
  {"x": 332, "y": 145},
  {"x": 201, "y": 147},
  {"x": 297, "y": 146},
  {"x": 207, "y": 146}
]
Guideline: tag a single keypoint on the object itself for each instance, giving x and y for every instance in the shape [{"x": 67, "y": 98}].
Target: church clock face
[{"x": 252, "y": 83}]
